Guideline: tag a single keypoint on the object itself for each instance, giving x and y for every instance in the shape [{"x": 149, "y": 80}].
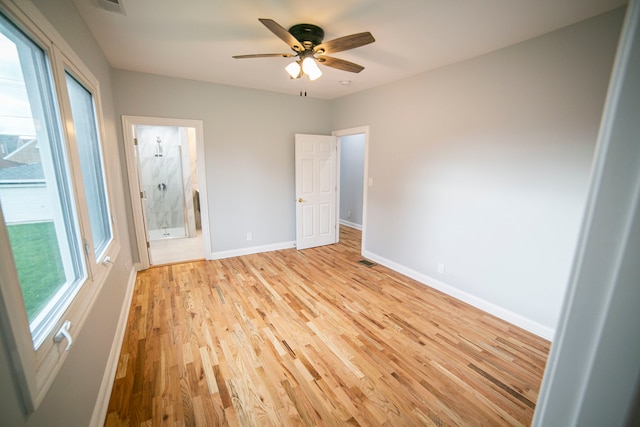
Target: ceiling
[{"x": 195, "y": 39}]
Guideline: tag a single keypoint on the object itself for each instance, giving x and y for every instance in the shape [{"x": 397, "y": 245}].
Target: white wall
[
  {"x": 351, "y": 178},
  {"x": 72, "y": 396},
  {"x": 25, "y": 203},
  {"x": 593, "y": 374},
  {"x": 483, "y": 166},
  {"x": 249, "y": 150}
]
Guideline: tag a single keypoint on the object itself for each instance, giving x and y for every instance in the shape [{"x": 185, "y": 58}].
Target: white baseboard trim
[
  {"x": 252, "y": 250},
  {"x": 102, "y": 403},
  {"x": 484, "y": 305},
  {"x": 351, "y": 224}
]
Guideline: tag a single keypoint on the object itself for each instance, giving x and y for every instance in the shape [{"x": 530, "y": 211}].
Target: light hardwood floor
[{"x": 312, "y": 338}]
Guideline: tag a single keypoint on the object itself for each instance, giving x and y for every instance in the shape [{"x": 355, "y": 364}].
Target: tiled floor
[{"x": 177, "y": 250}]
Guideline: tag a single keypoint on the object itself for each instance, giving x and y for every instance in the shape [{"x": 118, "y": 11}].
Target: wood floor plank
[{"x": 315, "y": 338}]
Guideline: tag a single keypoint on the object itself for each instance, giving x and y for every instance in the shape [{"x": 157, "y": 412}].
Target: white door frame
[
  {"x": 134, "y": 180},
  {"x": 367, "y": 181}
]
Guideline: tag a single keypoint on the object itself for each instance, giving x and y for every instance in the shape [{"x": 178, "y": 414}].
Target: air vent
[
  {"x": 367, "y": 263},
  {"x": 111, "y": 5}
]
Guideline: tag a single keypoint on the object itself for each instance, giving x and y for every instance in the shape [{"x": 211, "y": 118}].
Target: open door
[
  {"x": 316, "y": 190},
  {"x": 167, "y": 183}
]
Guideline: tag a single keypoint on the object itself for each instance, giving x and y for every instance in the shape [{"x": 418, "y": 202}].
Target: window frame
[
  {"x": 35, "y": 369},
  {"x": 90, "y": 83}
]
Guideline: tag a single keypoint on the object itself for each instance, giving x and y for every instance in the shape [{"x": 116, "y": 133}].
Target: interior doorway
[
  {"x": 353, "y": 180},
  {"x": 168, "y": 189}
]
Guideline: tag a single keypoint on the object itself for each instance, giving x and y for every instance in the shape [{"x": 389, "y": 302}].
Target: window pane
[
  {"x": 35, "y": 191},
  {"x": 84, "y": 120}
]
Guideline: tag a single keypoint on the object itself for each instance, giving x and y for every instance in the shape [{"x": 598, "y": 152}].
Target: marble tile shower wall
[{"x": 161, "y": 175}]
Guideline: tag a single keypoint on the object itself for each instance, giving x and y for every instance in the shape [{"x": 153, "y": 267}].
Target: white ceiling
[{"x": 195, "y": 39}]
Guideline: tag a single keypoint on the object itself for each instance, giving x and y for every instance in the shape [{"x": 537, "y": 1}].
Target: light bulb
[
  {"x": 293, "y": 69},
  {"x": 310, "y": 68}
]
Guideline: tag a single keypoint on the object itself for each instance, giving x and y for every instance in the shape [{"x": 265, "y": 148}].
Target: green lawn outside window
[{"x": 37, "y": 258}]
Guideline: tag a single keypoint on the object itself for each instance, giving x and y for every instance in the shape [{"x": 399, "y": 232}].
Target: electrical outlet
[
  {"x": 249, "y": 236},
  {"x": 440, "y": 268},
  {"x": 348, "y": 214}
]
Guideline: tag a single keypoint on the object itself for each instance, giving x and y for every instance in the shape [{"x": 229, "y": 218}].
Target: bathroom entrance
[
  {"x": 164, "y": 159},
  {"x": 170, "y": 193}
]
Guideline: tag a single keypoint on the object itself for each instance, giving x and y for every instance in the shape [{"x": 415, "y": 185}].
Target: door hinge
[
  {"x": 141, "y": 195},
  {"x": 135, "y": 141},
  {"x": 148, "y": 245}
]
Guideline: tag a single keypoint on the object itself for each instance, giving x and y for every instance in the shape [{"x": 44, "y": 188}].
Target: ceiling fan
[{"x": 306, "y": 42}]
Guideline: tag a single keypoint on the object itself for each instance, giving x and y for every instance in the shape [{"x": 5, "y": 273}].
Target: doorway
[
  {"x": 168, "y": 189},
  {"x": 354, "y": 180}
]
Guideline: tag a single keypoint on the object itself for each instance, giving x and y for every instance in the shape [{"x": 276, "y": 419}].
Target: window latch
[{"x": 64, "y": 333}]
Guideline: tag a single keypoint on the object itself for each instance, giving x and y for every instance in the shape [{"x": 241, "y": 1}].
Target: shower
[{"x": 166, "y": 181}]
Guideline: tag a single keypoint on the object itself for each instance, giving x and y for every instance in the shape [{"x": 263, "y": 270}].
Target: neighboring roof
[
  {"x": 29, "y": 172},
  {"x": 8, "y": 164}
]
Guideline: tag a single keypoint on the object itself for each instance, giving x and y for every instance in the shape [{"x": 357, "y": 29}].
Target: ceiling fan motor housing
[{"x": 310, "y": 35}]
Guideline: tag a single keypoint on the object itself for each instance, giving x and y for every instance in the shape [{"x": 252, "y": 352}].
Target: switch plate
[{"x": 249, "y": 236}]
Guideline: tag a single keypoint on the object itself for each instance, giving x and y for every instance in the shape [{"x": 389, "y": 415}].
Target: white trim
[
  {"x": 102, "y": 402},
  {"x": 134, "y": 179},
  {"x": 350, "y": 224},
  {"x": 252, "y": 250},
  {"x": 484, "y": 305}
]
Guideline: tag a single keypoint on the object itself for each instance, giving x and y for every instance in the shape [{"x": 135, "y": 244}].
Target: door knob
[{"x": 300, "y": 200}]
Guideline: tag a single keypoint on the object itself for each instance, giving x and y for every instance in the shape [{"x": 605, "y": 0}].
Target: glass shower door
[{"x": 161, "y": 175}]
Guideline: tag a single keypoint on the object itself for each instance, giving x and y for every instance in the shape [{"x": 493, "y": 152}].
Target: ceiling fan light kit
[
  {"x": 306, "y": 42},
  {"x": 294, "y": 69},
  {"x": 310, "y": 68}
]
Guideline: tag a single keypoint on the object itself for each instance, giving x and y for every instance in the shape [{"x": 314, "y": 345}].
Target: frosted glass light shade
[
  {"x": 293, "y": 69},
  {"x": 311, "y": 69}
]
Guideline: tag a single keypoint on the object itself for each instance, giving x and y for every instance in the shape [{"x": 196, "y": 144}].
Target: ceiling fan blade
[
  {"x": 344, "y": 43},
  {"x": 282, "y": 33},
  {"x": 264, "y": 55},
  {"x": 340, "y": 64}
]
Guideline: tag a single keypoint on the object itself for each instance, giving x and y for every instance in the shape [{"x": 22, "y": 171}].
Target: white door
[{"x": 316, "y": 166}]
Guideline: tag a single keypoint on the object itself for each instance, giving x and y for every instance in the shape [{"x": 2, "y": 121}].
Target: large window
[
  {"x": 55, "y": 224},
  {"x": 46, "y": 244}
]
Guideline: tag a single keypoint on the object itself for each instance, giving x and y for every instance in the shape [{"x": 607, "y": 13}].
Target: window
[
  {"x": 55, "y": 224},
  {"x": 84, "y": 120},
  {"x": 35, "y": 194}
]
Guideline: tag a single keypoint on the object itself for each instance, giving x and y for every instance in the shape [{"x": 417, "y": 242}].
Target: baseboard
[
  {"x": 252, "y": 250},
  {"x": 500, "y": 312},
  {"x": 102, "y": 403},
  {"x": 351, "y": 224}
]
